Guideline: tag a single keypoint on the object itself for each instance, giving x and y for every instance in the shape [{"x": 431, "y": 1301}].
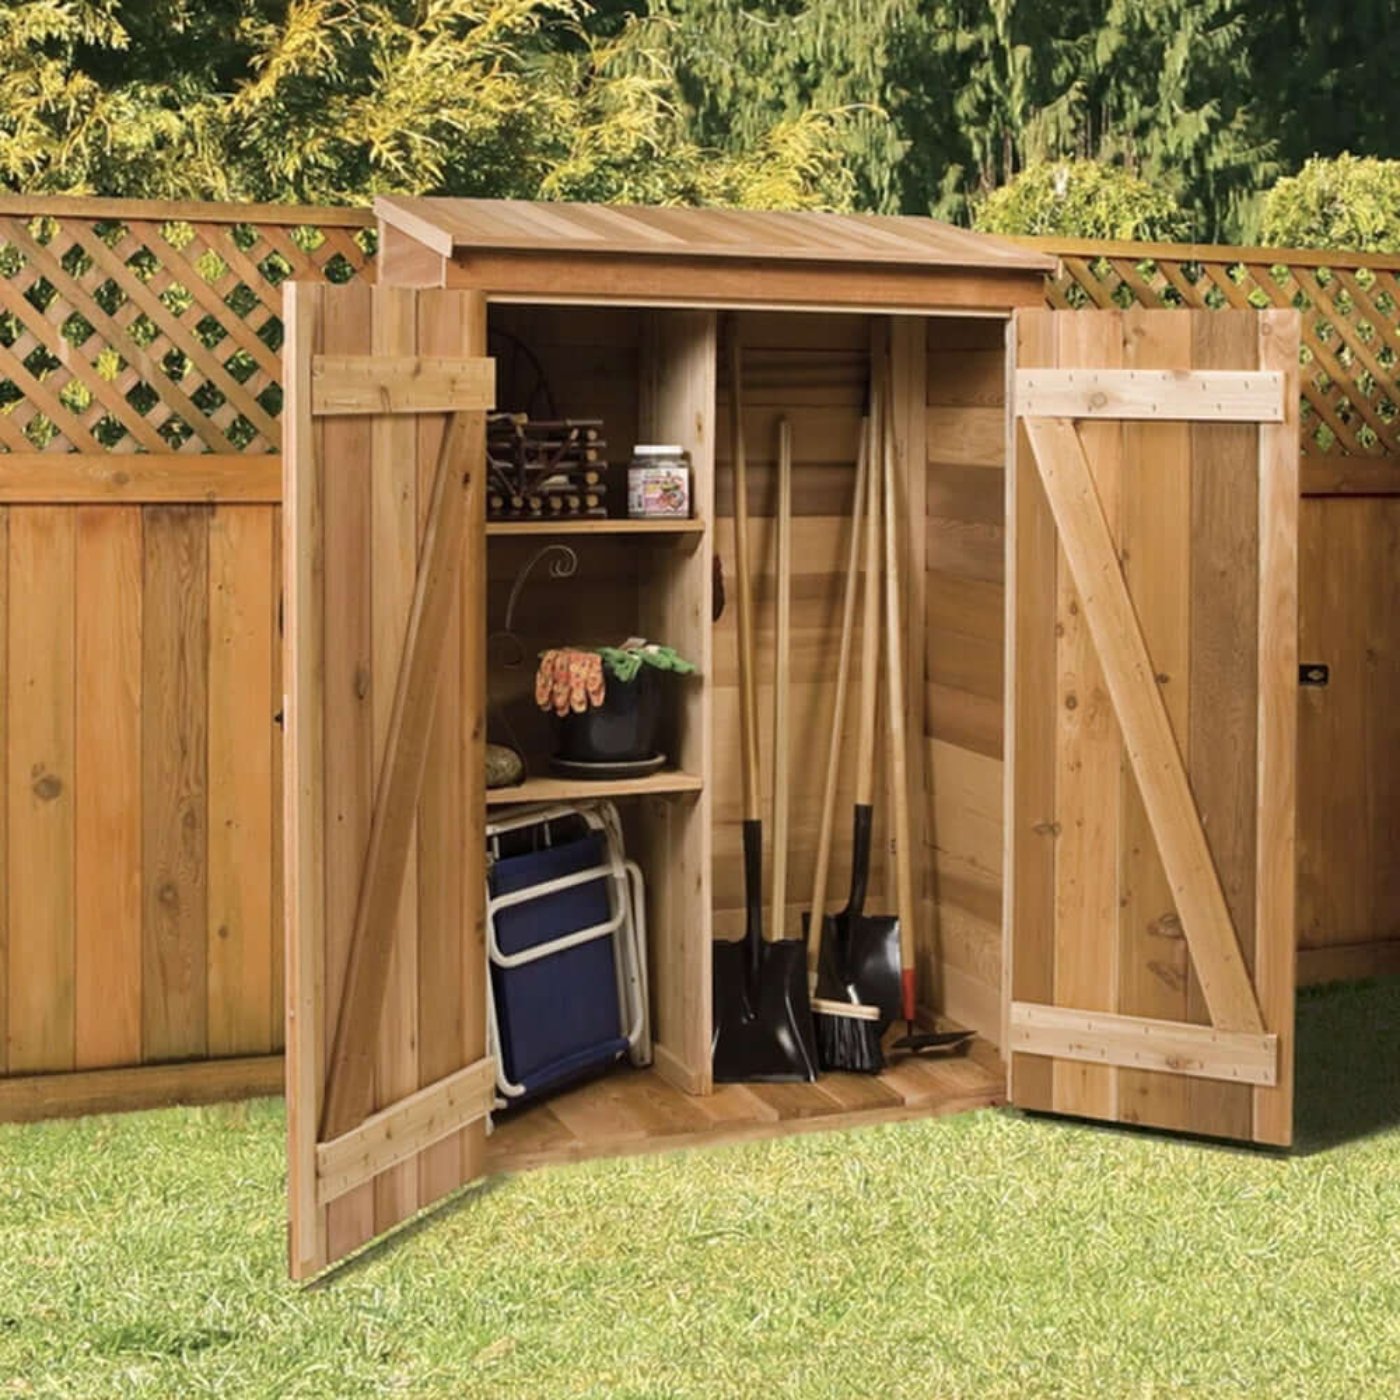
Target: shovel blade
[
  {"x": 858, "y": 961},
  {"x": 763, "y": 1033}
]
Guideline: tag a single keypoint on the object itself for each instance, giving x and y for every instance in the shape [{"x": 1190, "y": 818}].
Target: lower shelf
[
  {"x": 632, "y": 1111},
  {"x": 578, "y": 790}
]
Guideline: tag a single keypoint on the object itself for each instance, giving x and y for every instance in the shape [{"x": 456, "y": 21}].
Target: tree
[
  {"x": 1349, "y": 202},
  {"x": 1082, "y": 199},
  {"x": 328, "y": 101},
  {"x": 748, "y": 69}
]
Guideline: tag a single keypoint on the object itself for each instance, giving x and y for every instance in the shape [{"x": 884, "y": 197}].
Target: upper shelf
[{"x": 556, "y": 526}]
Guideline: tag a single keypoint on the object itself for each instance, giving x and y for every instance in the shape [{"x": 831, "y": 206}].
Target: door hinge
[{"x": 1314, "y": 673}]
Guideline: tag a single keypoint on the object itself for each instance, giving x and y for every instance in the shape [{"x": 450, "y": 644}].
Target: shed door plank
[
  {"x": 1031, "y": 724},
  {"x": 349, "y": 735},
  {"x": 1089, "y": 756},
  {"x": 1224, "y": 671},
  {"x": 1155, "y": 537}
]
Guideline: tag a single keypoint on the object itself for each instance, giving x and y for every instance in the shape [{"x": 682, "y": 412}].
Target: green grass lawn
[{"x": 985, "y": 1255}]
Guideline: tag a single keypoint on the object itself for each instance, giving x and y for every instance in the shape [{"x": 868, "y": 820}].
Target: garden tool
[
  {"x": 858, "y": 961},
  {"x": 762, "y": 1008},
  {"x": 848, "y": 1034}
]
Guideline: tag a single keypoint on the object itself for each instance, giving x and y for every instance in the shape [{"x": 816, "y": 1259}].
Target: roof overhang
[{"x": 522, "y": 250}]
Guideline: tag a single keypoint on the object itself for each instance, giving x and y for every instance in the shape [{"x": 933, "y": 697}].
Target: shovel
[
  {"x": 762, "y": 1009},
  {"x": 858, "y": 960}
]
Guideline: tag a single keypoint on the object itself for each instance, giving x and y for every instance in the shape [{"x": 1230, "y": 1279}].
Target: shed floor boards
[{"x": 632, "y": 1111}]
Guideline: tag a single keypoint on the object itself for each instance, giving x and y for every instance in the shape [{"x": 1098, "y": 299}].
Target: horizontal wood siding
[{"x": 812, "y": 370}]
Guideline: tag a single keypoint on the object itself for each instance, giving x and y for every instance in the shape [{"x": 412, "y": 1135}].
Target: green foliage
[
  {"x": 330, "y": 101},
  {"x": 626, "y": 662},
  {"x": 1082, "y": 199},
  {"x": 1349, "y": 202},
  {"x": 750, "y": 70},
  {"x": 919, "y": 106}
]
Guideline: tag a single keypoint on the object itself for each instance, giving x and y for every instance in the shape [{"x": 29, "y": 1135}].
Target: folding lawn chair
[{"x": 566, "y": 945}]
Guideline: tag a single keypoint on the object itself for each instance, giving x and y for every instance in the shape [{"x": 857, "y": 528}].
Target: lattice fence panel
[
  {"x": 1351, "y": 323},
  {"x": 133, "y": 332}
]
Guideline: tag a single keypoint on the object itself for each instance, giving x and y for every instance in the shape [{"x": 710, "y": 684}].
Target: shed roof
[{"x": 514, "y": 225}]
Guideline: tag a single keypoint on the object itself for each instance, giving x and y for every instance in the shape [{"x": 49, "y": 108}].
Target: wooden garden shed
[{"x": 1142, "y": 708}]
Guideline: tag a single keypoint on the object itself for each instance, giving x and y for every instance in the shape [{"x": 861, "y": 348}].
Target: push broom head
[{"x": 848, "y": 1036}]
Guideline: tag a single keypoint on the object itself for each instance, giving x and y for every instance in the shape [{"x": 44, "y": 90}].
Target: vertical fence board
[
  {"x": 240, "y": 781},
  {"x": 40, "y": 792},
  {"x": 174, "y": 782},
  {"x": 108, "y": 760}
]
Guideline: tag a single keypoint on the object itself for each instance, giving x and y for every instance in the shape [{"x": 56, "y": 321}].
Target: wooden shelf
[
  {"x": 595, "y": 527},
  {"x": 548, "y": 789}
]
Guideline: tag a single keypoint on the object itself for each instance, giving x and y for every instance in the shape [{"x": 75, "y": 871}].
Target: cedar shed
[{"x": 1097, "y": 526}]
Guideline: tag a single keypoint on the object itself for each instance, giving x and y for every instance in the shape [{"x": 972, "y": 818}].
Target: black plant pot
[{"x": 620, "y": 730}]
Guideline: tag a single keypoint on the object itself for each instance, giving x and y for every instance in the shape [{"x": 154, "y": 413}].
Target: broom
[{"x": 848, "y": 1033}]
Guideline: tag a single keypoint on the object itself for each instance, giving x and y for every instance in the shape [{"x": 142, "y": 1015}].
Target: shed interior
[{"x": 658, "y": 374}]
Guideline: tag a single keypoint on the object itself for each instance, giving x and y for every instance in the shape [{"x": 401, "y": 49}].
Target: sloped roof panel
[{"x": 505, "y": 225}]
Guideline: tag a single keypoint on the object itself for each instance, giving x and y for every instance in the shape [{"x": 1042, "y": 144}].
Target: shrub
[
  {"x": 1346, "y": 202},
  {"x": 1082, "y": 199}
]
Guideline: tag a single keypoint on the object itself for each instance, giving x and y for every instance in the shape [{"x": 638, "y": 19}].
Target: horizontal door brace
[
  {"x": 385, "y": 384},
  {"x": 1138, "y": 1042},
  {"x": 1206, "y": 396}
]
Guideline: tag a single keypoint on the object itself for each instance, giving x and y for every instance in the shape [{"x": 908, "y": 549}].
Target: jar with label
[{"x": 658, "y": 483}]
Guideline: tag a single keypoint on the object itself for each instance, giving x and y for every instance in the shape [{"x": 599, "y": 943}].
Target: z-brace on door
[
  {"x": 388, "y": 1081},
  {"x": 1152, "y": 608}
]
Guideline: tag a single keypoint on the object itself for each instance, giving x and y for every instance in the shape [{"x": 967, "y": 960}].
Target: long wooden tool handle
[
  {"x": 899, "y": 757},
  {"x": 781, "y": 668},
  {"x": 843, "y": 671},
  {"x": 870, "y": 626},
  {"x": 748, "y": 688}
]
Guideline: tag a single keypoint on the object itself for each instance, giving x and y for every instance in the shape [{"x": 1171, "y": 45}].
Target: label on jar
[{"x": 659, "y": 491}]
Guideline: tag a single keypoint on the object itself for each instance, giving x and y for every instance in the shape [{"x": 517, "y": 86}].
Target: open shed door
[
  {"x": 1152, "y": 606},
  {"x": 388, "y": 1081}
]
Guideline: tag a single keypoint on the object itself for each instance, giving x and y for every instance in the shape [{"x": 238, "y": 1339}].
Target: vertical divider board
[
  {"x": 678, "y": 392},
  {"x": 369, "y": 577},
  {"x": 1119, "y": 940}
]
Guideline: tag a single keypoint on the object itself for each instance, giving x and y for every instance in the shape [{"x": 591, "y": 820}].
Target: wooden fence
[
  {"x": 140, "y": 398},
  {"x": 140, "y": 395}
]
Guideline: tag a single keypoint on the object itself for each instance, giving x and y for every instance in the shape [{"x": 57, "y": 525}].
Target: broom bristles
[{"x": 848, "y": 1039}]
